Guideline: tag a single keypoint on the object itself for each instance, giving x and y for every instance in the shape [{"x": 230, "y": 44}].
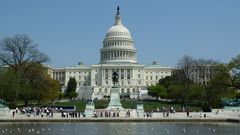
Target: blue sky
[{"x": 69, "y": 31}]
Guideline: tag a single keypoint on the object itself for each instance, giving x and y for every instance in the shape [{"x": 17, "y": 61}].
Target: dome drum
[{"x": 123, "y": 55}]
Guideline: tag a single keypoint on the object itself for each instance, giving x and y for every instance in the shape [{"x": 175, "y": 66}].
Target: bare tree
[
  {"x": 186, "y": 64},
  {"x": 204, "y": 70},
  {"x": 20, "y": 52},
  {"x": 186, "y": 67}
]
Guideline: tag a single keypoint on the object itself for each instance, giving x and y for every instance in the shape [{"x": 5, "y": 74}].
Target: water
[{"x": 143, "y": 128}]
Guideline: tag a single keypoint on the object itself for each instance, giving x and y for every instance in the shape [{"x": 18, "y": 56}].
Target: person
[
  {"x": 171, "y": 110},
  {"x": 52, "y": 113},
  {"x": 17, "y": 110},
  {"x": 13, "y": 114}
]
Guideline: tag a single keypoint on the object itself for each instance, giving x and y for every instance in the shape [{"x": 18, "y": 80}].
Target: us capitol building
[{"x": 117, "y": 54}]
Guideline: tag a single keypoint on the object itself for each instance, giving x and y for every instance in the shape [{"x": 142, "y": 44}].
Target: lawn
[{"x": 148, "y": 105}]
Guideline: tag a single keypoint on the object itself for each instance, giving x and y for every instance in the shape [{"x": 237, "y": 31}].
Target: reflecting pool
[{"x": 118, "y": 128}]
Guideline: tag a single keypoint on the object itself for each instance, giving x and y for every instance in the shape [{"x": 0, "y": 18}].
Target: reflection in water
[{"x": 143, "y": 128}]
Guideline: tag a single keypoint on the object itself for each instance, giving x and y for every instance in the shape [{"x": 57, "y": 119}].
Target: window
[
  {"x": 106, "y": 74},
  {"x": 128, "y": 73},
  {"x": 122, "y": 74},
  {"x": 134, "y": 90},
  {"x": 139, "y": 75}
]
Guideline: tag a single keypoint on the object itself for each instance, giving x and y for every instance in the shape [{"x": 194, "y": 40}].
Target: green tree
[
  {"x": 197, "y": 93},
  {"x": 8, "y": 84},
  {"x": 35, "y": 85},
  {"x": 22, "y": 75},
  {"x": 157, "y": 91},
  {"x": 71, "y": 88},
  {"x": 175, "y": 92},
  {"x": 20, "y": 54},
  {"x": 234, "y": 65},
  {"x": 219, "y": 86},
  {"x": 186, "y": 64}
]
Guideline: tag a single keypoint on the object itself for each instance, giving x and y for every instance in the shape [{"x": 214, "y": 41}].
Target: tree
[
  {"x": 175, "y": 92},
  {"x": 204, "y": 68},
  {"x": 35, "y": 85},
  {"x": 219, "y": 86},
  {"x": 234, "y": 65},
  {"x": 186, "y": 66},
  {"x": 43, "y": 87},
  {"x": 20, "y": 54},
  {"x": 71, "y": 88},
  {"x": 23, "y": 75},
  {"x": 157, "y": 91},
  {"x": 8, "y": 83}
]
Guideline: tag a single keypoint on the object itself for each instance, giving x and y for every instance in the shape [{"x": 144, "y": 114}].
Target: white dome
[
  {"x": 118, "y": 30},
  {"x": 118, "y": 45}
]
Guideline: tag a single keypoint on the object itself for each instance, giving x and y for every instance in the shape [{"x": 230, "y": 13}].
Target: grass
[
  {"x": 80, "y": 105},
  {"x": 148, "y": 105}
]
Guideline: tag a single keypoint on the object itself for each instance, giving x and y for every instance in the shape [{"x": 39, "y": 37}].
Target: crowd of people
[
  {"x": 36, "y": 111},
  {"x": 50, "y": 112}
]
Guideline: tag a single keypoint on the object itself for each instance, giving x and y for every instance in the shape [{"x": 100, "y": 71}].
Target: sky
[{"x": 69, "y": 31}]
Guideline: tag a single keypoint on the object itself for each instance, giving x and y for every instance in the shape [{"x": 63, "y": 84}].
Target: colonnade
[
  {"x": 108, "y": 55},
  {"x": 123, "y": 73}
]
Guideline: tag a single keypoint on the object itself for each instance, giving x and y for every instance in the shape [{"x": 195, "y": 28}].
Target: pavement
[{"x": 217, "y": 115}]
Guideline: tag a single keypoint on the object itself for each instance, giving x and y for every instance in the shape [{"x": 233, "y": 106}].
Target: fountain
[
  {"x": 89, "y": 109},
  {"x": 115, "y": 105}
]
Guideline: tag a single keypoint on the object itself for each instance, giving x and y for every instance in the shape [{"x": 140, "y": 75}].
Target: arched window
[
  {"x": 134, "y": 90},
  {"x": 122, "y": 91},
  {"x": 128, "y": 90}
]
